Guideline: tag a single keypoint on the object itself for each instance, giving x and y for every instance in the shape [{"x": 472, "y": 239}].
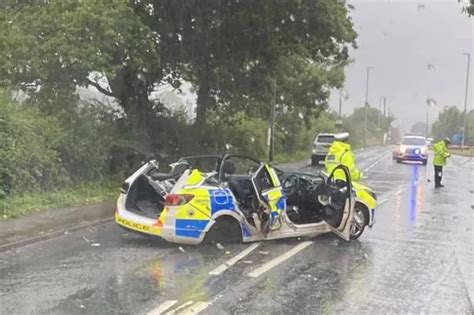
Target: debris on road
[
  {"x": 95, "y": 244},
  {"x": 85, "y": 239},
  {"x": 219, "y": 245},
  {"x": 247, "y": 262},
  {"x": 263, "y": 252},
  {"x": 181, "y": 249}
]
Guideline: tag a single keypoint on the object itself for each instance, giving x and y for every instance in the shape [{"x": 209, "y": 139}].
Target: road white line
[
  {"x": 278, "y": 260},
  {"x": 180, "y": 307},
  {"x": 163, "y": 307},
  {"x": 400, "y": 191},
  {"x": 220, "y": 269},
  {"x": 196, "y": 308}
]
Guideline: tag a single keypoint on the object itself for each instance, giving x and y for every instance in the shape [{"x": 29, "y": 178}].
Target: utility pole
[
  {"x": 340, "y": 103},
  {"x": 427, "y": 124},
  {"x": 366, "y": 105},
  {"x": 384, "y": 106},
  {"x": 380, "y": 112},
  {"x": 272, "y": 123},
  {"x": 465, "y": 101}
]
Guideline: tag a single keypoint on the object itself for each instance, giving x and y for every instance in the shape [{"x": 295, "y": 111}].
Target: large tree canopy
[
  {"x": 230, "y": 50},
  {"x": 68, "y": 43}
]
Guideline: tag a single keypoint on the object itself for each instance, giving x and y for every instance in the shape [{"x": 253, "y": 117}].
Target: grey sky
[{"x": 399, "y": 39}]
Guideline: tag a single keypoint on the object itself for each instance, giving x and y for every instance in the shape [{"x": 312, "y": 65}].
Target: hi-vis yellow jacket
[
  {"x": 340, "y": 153},
  {"x": 440, "y": 153}
]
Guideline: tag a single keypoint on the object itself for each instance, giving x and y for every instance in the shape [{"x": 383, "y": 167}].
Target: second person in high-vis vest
[
  {"x": 340, "y": 153},
  {"x": 440, "y": 156}
]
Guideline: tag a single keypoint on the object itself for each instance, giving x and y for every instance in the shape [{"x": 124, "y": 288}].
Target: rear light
[{"x": 178, "y": 199}]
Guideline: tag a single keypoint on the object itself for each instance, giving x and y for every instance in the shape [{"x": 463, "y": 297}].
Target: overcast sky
[{"x": 399, "y": 39}]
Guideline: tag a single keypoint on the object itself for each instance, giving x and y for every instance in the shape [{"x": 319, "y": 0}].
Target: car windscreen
[
  {"x": 414, "y": 141},
  {"x": 325, "y": 139}
]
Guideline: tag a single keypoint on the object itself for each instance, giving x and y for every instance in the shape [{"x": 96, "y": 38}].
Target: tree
[
  {"x": 233, "y": 50},
  {"x": 469, "y": 8},
  {"x": 58, "y": 45},
  {"x": 449, "y": 123},
  {"x": 355, "y": 125},
  {"x": 29, "y": 144},
  {"x": 418, "y": 128}
]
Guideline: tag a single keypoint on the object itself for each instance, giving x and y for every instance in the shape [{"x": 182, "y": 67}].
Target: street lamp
[
  {"x": 465, "y": 100},
  {"x": 366, "y": 105}
]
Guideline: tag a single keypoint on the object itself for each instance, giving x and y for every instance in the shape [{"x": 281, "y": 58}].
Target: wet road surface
[{"x": 417, "y": 258}]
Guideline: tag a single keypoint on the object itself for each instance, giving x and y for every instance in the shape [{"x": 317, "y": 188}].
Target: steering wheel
[{"x": 291, "y": 184}]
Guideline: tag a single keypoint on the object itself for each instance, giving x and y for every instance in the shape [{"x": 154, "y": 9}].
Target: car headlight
[{"x": 417, "y": 151}]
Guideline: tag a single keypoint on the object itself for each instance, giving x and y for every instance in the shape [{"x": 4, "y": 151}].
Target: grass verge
[
  {"x": 80, "y": 195},
  {"x": 465, "y": 152}
]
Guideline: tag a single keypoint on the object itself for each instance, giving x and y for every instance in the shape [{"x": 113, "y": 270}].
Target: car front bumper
[{"x": 412, "y": 157}]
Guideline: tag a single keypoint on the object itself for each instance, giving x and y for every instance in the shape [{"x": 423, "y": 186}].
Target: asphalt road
[{"x": 417, "y": 258}]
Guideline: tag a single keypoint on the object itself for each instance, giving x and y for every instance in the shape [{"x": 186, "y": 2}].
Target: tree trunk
[{"x": 202, "y": 100}]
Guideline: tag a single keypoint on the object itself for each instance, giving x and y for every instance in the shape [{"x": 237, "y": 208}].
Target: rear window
[
  {"x": 325, "y": 139},
  {"x": 414, "y": 141}
]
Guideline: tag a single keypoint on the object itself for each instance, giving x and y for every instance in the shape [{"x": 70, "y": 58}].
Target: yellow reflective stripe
[
  {"x": 137, "y": 226},
  {"x": 273, "y": 175},
  {"x": 198, "y": 208},
  {"x": 194, "y": 178}
]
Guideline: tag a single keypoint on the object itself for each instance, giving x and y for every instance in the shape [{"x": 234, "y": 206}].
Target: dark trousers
[{"x": 438, "y": 174}]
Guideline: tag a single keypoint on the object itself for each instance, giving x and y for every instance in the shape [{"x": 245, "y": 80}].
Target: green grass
[
  {"x": 84, "y": 194},
  {"x": 465, "y": 152}
]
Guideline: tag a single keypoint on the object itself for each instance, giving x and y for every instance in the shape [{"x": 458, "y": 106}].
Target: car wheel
[
  {"x": 361, "y": 219},
  {"x": 399, "y": 161},
  {"x": 425, "y": 162},
  {"x": 225, "y": 230}
]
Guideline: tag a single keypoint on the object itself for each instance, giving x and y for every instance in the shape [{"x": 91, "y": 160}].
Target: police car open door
[
  {"x": 270, "y": 198},
  {"x": 338, "y": 202}
]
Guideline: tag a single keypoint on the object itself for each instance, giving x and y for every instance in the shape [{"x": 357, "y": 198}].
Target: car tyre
[
  {"x": 361, "y": 220},
  {"x": 425, "y": 162},
  {"x": 399, "y": 161},
  {"x": 225, "y": 230}
]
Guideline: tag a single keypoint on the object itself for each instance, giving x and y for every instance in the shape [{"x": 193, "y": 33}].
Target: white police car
[{"x": 412, "y": 148}]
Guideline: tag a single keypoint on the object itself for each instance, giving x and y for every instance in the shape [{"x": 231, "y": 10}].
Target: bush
[{"x": 29, "y": 143}]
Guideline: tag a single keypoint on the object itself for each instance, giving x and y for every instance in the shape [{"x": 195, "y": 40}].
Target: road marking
[
  {"x": 278, "y": 260},
  {"x": 375, "y": 163},
  {"x": 195, "y": 308},
  {"x": 233, "y": 260},
  {"x": 400, "y": 191},
  {"x": 163, "y": 307}
]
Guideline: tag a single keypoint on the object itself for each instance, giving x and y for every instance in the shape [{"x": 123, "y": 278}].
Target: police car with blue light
[{"x": 412, "y": 148}]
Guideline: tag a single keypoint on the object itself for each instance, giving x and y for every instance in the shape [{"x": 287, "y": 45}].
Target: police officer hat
[
  {"x": 447, "y": 139},
  {"x": 341, "y": 136}
]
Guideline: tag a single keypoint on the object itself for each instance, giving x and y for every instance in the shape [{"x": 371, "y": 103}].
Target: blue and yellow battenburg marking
[{"x": 193, "y": 217}]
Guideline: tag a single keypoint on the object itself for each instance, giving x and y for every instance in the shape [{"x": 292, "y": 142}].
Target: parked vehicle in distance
[
  {"x": 412, "y": 148},
  {"x": 321, "y": 146}
]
